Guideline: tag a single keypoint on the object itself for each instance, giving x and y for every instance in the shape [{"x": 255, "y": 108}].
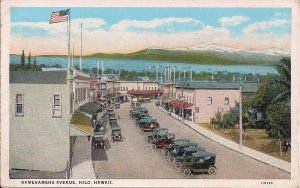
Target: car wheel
[
  {"x": 167, "y": 154},
  {"x": 154, "y": 137},
  {"x": 187, "y": 172},
  {"x": 153, "y": 146},
  {"x": 171, "y": 159},
  {"x": 212, "y": 170},
  {"x": 178, "y": 165}
]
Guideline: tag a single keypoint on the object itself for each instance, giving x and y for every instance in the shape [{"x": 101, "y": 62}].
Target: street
[{"x": 132, "y": 157}]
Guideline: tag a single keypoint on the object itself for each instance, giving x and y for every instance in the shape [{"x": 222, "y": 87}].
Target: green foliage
[
  {"x": 282, "y": 81},
  {"x": 228, "y": 120},
  {"x": 23, "y": 59},
  {"x": 29, "y": 59},
  {"x": 279, "y": 120}
]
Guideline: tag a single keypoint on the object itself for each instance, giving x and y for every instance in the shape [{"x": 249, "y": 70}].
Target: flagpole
[
  {"x": 81, "y": 48},
  {"x": 69, "y": 37}
]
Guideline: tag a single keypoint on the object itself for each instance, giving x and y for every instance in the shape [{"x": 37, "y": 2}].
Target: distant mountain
[
  {"x": 205, "y": 53},
  {"x": 202, "y": 53}
]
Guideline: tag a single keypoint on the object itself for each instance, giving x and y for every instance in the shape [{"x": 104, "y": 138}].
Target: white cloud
[
  {"x": 97, "y": 39},
  {"x": 232, "y": 21},
  {"x": 152, "y": 24},
  {"x": 261, "y": 26}
]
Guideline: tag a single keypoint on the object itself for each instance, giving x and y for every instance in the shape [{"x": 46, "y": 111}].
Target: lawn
[{"x": 255, "y": 139}]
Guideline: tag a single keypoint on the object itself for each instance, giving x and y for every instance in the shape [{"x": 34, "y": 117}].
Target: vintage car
[
  {"x": 143, "y": 109},
  {"x": 148, "y": 124},
  {"x": 177, "y": 150},
  {"x": 134, "y": 114},
  {"x": 116, "y": 133},
  {"x": 135, "y": 104},
  {"x": 157, "y": 133},
  {"x": 117, "y": 105},
  {"x": 110, "y": 110},
  {"x": 163, "y": 142},
  {"x": 110, "y": 114},
  {"x": 98, "y": 141},
  {"x": 201, "y": 162},
  {"x": 141, "y": 116},
  {"x": 166, "y": 151},
  {"x": 186, "y": 157},
  {"x": 112, "y": 121}
]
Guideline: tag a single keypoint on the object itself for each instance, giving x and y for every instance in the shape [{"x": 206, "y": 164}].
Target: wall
[
  {"x": 218, "y": 96},
  {"x": 38, "y": 141}
]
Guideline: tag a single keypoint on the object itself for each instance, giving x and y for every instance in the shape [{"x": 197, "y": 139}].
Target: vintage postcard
[{"x": 150, "y": 93}]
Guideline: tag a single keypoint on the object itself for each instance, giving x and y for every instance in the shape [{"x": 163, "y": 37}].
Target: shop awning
[
  {"x": 81, "y": 123},
  {"x": 180, "y": 104},
  {"x": 144, "y": 92}
]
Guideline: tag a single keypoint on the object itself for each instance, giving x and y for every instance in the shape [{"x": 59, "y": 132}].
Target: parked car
[
  {"x": 112, "y": 121},
  {"x": 157, "y": 103},
  {"x": 177, "y": 150},
  {"x": 116, "y": 133},
  {"x": 117, "y": 105},
  {"x": 187, "y": 156},
  {"x": 201, "y": 162},
  {"x": 148, "y": 124},
  {"x": 98, "y": 141},
  {"x": 163, "y": 142},
  {"x": 166, "y": 151},
  {"x": 157, "y": 133},
  {"x": 135, "y": 104}
]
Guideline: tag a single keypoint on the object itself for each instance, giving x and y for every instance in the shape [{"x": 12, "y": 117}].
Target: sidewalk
[
  {"x": 281, "y": 164},
  {"x": 82, "y": 164}
]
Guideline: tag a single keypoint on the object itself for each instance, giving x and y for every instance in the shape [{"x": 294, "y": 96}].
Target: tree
[
  {"x": 282, "y": 81},
  {"x": 29, "y": 59},
  {"x": 23, "y": 59},
  {"x": 279, "y": 121}
]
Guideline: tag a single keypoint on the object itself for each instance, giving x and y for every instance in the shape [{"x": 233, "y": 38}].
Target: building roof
[
  {"x": 38, "y": 77},
  {"x": 144, "y": 92},
  {"x": 248, "y": 87}
]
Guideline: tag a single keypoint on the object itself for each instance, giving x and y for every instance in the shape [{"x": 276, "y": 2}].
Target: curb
[{"x": 267, "y": 159}]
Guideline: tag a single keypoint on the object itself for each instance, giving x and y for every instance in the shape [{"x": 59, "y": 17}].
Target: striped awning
[{"x": 180, "y": 104}]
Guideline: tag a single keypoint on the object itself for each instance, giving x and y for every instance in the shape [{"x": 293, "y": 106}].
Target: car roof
[
  {"x": 202, "y": 154},
  {"x": 187, "y": 144},
  {"x": 147, "y": 120},
  {"x": 98, "y": 133},
  {"x": 194, "y": 149},
  {"x": 116, "y": 128}
]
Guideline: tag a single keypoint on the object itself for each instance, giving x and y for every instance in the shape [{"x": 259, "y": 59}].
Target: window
[
  {"x": 226, "y": 101},
  {"x": 209, "y": 100},
  {"x": 19, "y": 105},
  {"x": 154, "y": 88},
  {"x": 126, "y": 88},
  {"x": 120, "y": 88},
  {"x": 56, "y": 105},
  {"x": 197, "y": 110}
]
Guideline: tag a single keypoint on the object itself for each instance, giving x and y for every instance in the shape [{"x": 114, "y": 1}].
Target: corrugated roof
[
  {"x": 247, "y": 87},
  {"x": 38, "y": 77}
]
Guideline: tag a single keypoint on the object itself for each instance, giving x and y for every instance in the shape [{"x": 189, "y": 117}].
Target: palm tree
[{"x": 282, "y": 81}]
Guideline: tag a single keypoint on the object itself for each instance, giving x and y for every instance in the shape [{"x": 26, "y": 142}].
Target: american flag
[{"x": 60, "y": 16}]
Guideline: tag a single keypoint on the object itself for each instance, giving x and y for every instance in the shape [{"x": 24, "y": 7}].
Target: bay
[{"x": 146, "y": 65}]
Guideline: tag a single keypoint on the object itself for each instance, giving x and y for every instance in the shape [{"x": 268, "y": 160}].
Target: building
[
  {"x": 41, "y": 106},
  {"x": 139, "y": 89},
  {"x": 200, "y": 101}
]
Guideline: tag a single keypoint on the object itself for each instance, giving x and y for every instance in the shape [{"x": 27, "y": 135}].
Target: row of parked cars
[
  {"x": 184, "y": 155},
  {"x": 116, "y": 134}
]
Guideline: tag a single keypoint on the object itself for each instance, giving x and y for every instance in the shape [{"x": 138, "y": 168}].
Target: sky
[{"x": 124, "y": 30}]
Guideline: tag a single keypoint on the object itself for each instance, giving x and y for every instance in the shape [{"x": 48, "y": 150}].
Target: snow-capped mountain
[{"x": 212, "y": 47}]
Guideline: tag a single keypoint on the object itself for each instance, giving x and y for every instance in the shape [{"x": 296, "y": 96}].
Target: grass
[
  {"x": 82, "y": 122},
  {"x": 256, "y": 139}
]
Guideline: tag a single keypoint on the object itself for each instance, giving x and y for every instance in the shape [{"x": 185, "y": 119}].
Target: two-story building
[
  {"x": 41, "y": 106},
  {"x": 200, "y": 101}
]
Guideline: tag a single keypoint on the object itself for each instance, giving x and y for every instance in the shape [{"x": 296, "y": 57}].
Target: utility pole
[
  {"x": 80, "y": 64},
  {"x": 241, "y": 118},
  {"x": 184, "y": 74},
  {"x": 174, "y": 69}
]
